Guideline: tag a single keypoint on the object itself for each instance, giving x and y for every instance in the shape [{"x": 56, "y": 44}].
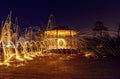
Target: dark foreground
[{"x": 63, "y": 67}]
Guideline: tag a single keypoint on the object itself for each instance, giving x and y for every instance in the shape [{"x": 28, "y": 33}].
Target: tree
[{"x": 99, "y": 29}]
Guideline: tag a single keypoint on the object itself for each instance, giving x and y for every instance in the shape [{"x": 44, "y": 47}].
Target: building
[{"x": 60, "y": 38}]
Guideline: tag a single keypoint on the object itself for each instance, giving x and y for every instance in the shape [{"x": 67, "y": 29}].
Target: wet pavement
[{"x": 63, "y": 67}]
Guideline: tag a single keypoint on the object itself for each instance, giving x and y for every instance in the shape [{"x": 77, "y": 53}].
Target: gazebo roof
[{"x": 61, "y": 31}]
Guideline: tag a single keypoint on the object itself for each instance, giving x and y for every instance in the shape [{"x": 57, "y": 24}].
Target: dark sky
[{"x": 79, "y": 14}]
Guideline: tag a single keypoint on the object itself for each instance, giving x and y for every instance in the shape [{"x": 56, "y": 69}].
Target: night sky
[{"x": 78, "y": 14}]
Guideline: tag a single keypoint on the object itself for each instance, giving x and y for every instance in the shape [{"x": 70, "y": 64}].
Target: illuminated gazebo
[{"x": 60, "y": 38}]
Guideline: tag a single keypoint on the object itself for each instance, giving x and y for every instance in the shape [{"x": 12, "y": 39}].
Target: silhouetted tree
[
  {"x": 118, "y": 31},
  {"x": 100, "y": 29},
  {"x": 118, "y": 37}
]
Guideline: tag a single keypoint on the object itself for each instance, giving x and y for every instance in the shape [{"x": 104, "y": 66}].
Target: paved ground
[{"x": 63, "y": 67}]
